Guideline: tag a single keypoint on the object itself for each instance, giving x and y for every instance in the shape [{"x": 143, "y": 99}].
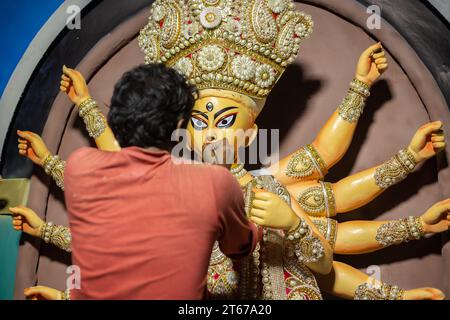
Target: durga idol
[{"x": 235, "y": 52}]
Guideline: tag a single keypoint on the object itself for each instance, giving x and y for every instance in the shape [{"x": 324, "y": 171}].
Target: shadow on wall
[{"x": 289, "y": 98}]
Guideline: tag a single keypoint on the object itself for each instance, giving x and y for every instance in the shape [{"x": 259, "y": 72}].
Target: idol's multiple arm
[{"x": 302, "y": 173}]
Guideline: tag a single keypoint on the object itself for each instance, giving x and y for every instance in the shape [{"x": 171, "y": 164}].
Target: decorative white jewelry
[
  {"x": 94, "y": 120},
  {"x": 211, "y": 58},
  {"x": 264, "y": 76},
  {"x": 384, "y": 292},
  {"x": 238, "y": 171},
  {"x": 54, "y": 166},
  {"x": 184, "y": 66},
  {"x": 243, "y": 67},
  {"x": 307, "y": 248},
  {"x": 395, "y": 170},
  {"x": 353, "y": 104},
  {"x": 396, "y": 232},
  {"x": 210, "y": 17},
  {"x": 268, "y": 32},
  {"x": 276, "y": 6},
  {"x": 57, "y": 235}
]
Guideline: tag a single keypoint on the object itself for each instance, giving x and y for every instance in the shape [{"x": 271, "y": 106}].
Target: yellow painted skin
[{"x": 226, "y": 116}]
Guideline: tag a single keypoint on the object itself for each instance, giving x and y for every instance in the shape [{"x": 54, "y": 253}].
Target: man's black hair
[{"x": 147, "y": 104}]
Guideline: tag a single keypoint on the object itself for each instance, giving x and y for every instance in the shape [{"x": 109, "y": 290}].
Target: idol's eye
[
  {"x": 198, "y": 124},
  {"x": 226, "y": 121}
]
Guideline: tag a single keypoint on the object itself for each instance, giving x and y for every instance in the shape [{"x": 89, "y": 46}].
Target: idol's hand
[
  {"x": 427, "y": 141},
  {"x": 32, "y": 146},
  {"x": 372, "y": 64},
  {"x": 74, "y": 84},
  {"x": 42, "y": 293},
  {"x": 26, "y": 220},
  {"x": 424, "y": 294},
  {"x": 269, "y": 210},
  {"x": 437, "y": 218}
]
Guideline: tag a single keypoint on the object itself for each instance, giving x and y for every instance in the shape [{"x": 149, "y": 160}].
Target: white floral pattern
[
  {"x": 159, "y": 12},
  {"x": 210, "y": 17},
  {"x": 276, "y": 6},
  {"x": 184, "y": 66},
  {"x": 211, "y": 58},
  {"x": 302, "y": 31},
  {"x": 264, "y": 76},
  {"x": 234, "y": 27},
  {"x": 243, "y": 67}
]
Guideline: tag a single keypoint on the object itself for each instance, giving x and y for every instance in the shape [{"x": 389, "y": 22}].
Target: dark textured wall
[{"x": 426, "y": 31}]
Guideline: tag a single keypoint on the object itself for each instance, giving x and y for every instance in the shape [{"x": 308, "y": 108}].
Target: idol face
[{"x": 216, "y": 118}]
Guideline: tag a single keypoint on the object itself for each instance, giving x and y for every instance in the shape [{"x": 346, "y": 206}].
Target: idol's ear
[{"x": 252, "y": 136}]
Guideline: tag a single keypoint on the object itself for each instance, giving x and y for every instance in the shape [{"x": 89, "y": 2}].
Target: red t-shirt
[{"x": 143, "y": 227}]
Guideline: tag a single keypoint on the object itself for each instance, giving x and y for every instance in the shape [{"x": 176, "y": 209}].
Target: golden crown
[{"x": 238, "y": 45}]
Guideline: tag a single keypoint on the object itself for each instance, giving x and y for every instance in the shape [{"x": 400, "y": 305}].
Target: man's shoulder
[
  {"x": 82, "y": 158},
  {"x": 214, "y": 171}
]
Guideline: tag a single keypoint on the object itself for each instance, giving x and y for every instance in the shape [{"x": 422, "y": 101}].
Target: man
[{"x": 142, "y": 226}]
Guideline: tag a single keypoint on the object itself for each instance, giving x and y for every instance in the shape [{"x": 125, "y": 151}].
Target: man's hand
[
  {"x": 372, "y": 64},
  {"x": 26, "y": 220},
  {"x": 437, "y": 218},
  {"x": 269, "y": 210},
  {"x": 32, "y": 146},
  {"x": 42, "y": 293},
  {"x": 427, "y": 141},
  {"x": 74, "y": 84}
]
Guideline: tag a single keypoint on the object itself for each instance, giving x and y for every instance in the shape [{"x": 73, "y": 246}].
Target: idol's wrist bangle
[
  {"x": 302, "y": 243},
  {"x": 46, "y": 231},
  {"x": 47, "y": 163},
  {"x": 403, "y": 230},
  {"x": 381, "y": 292},
  {"x": 55, "y": 166},
  {"x": 353, "y": 104},
  {"x": 396, "y": 169},
  {"x": 84, "y": 101},
  {"x": 65, "y": 295},
  {"x": 414, "y": 155},
  {"x": 57, "y": 235},
  {"x": 93, "y": 119},
  {"x": 360, "y": 87}
]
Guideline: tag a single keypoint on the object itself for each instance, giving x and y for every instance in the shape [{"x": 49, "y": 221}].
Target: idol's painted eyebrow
[
  {"x": 200, "y": 113},
  {"x": 218, "y": 113}
]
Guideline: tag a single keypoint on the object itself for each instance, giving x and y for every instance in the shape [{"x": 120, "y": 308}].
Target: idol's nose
[{"x": 211, "y": 137}]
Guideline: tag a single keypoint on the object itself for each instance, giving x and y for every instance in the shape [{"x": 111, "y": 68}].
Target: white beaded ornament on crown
[{"x": 238, "y": 45}]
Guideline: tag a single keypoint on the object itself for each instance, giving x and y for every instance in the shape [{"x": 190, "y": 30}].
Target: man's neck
[{"x": 154, "y": 150}]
